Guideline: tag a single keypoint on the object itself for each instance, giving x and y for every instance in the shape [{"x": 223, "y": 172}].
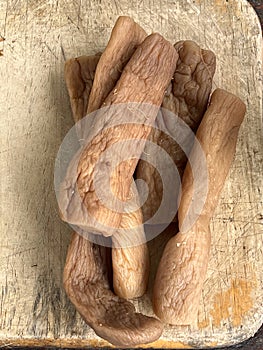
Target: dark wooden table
[{"x": 258, "y": 6}]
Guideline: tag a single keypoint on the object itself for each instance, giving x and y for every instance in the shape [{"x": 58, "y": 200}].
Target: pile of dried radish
[{"x": 159, "y": 79}]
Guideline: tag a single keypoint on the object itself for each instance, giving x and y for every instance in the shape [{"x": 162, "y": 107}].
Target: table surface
[{"x": 255, "y": 343}]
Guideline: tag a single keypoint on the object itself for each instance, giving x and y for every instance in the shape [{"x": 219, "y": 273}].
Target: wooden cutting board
[{"x": 39, "y": 36}]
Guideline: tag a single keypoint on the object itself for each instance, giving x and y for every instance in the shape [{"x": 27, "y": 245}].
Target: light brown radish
[{"x": 182, "y": 269}]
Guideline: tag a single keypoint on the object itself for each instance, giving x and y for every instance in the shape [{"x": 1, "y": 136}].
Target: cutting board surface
[{"x": 39, "y": 36}]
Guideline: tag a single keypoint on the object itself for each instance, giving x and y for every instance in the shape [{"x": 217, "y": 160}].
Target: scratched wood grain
[{"x": 39, "y": 35}]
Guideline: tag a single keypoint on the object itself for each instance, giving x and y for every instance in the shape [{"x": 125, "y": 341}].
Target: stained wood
[{"x": 39, "y": 36}]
